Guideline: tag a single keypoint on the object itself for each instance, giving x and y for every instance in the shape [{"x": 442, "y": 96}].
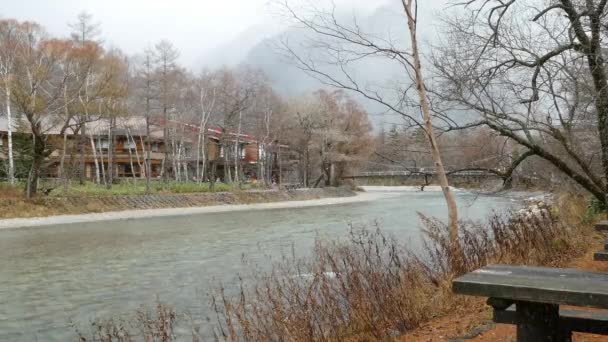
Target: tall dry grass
[
  {"x": 372, "y": 287},
  {"x": 149, "y": 325}
]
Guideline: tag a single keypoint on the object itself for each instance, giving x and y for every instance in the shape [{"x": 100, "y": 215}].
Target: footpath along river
[{"x": 76, "y": 272}]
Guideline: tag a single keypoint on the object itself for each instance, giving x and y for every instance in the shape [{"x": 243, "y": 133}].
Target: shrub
[{"x": 595, "y": 208}]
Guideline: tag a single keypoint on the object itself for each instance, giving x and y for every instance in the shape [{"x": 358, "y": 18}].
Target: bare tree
[
  {"x": 331, "y": 134},
  {"x": 344, "y": 45},
  {"x": 235, "y": 93},
  {"x": 534, "y": 72},
  {"x": 147, "y": 92},
  {"x": 411, "y": 11},
  {"x": 265, "y": 114},
  {"x": 85, "y": 33},
  {"x": 114, "y": 67},
  {"x": 38, "y": 92},
  {"x": 9, "y": 42},
  {"x": 207, "y": 97},
  {"x": 165, "y": 58}
]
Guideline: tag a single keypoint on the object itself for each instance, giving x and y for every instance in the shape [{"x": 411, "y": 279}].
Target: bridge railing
[{"x": 421, "y": 171}]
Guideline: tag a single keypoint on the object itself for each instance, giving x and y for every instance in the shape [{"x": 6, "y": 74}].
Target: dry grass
[
  {"x": 150, "y": 325},
  {"x": 373, "y": 288}
]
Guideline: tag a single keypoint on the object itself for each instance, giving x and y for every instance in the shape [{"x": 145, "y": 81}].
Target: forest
[{"x": 69, "y": 102}]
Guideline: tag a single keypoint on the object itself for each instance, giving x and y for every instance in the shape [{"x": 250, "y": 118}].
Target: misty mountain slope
[
  {"x": 260, "y": 49},
  {"x": 236, "y": 50}
]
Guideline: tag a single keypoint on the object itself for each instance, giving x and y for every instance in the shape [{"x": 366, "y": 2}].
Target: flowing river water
[{"x": 55, "y": 275}]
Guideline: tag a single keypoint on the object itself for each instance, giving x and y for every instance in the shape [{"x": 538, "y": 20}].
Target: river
[{"x": 76, "y": 272}]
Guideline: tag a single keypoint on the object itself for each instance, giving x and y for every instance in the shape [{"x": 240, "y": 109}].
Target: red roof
[{"x": 213, "y": 131}]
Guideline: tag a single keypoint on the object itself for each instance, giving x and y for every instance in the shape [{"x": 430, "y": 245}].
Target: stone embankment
[{"x": 50, "y": 206}]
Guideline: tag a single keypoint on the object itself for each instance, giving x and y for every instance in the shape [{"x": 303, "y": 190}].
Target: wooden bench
[
  {"x": 602, "y": 227},
  {"x": 530, "y": 297}
]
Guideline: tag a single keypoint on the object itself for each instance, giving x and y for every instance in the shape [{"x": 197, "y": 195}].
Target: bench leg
[{"x": 537, "y": 322}]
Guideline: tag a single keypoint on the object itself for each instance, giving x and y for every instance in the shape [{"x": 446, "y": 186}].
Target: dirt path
[{"x": 474, "y": 323}]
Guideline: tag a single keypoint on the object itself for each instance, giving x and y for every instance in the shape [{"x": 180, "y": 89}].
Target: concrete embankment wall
[{"x": 46, "y": 206}]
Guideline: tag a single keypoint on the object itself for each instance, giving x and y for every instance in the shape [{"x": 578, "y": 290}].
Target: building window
[
  {"x": 1, "y": 140},
  {"x": 129, "y": 145},
  {"x": 221, "y": 151},
  {"x": 155, "y": 147},
  {"x": 104, "y": 144},
  {"x": 243, "y": 152}
]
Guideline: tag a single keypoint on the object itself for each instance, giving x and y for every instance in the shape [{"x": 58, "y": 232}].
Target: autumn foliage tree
[
  {"x": 331, "y": 134},
  {"x": 38, "y": 91}
]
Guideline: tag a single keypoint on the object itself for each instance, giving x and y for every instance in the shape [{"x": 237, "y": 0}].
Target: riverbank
[
  {"x": 474, "y": 322},
  {"x": 197, "y": 204},
  {"x": 17, "y": 212},
  {"x": 44, "y": 206}
]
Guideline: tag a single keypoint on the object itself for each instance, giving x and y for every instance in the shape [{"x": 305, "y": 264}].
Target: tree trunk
[
  {"x": 166, "y": 141},
  {"x": 148, "y": 148},
  {"x": 201, "y": 152},
  {"x": 236, "y": 161},
  {"x": 103, "y": 168},
  {"x": 279, "y": 161},
  {"x": 261, "y": 176},
  {"x": 94, "y": 150},
  {"x": 162, "y": 167},
  {"x": 198, "y": 157},
  {"x": 131, "y": 160},
  {"x": 224, "y": 147},
  {"x": 39, "y": 146},
  {"x": 428, "y": 123},
  {"x": 62, "y": 174},
  {"x": 142, "y": 166},
  {"x": 597, "y": 66},
  {"x": 64, "y": 132},
  {"x": 307, "y": 167},
  {"x": 205, "y": 157},
  {"x": 110, "y": 155},
  {"x": 213, "y": 175},
  {"x": 81, "y": 144},
  {"x": 174, "y": 161},
  {"x": 9, "y": 135},
  {"x": 137, "y": 159}
]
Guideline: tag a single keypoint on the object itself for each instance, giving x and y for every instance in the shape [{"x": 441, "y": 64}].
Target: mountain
[
  {"x": 236, "y": 50},
  {"x": 258, "y": 47}
]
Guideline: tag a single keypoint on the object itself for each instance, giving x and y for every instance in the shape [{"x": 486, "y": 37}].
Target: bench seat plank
[
  {"x": 589, "y": 322},
  {"x": 536, "y": 284}
]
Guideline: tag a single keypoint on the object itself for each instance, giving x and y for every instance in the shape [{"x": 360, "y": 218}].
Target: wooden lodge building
[{"x": 128, "y": 141}]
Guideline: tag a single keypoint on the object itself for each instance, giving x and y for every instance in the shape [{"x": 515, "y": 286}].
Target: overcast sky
[{"x": 196, "y": 27}]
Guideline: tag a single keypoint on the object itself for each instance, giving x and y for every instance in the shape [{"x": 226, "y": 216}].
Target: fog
[
  {"x": 200, "y": 29},
  {"x": 211, "y": 33}
]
